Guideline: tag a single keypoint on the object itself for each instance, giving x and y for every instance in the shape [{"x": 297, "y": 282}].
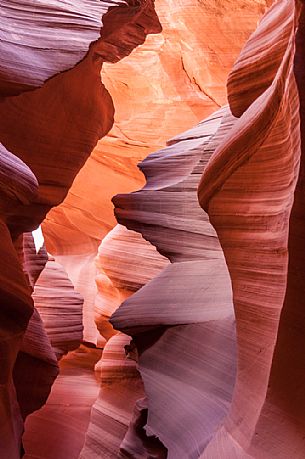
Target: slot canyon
[{"x": 152, "y": 221}]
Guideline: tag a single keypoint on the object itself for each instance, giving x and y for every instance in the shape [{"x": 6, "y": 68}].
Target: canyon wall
[
  {"x": 182, "y": 321},
  {"x": 252, "y": 191},
  {"x": 48, "y": 129},
  {"x": 167, "y": 85},
  {"x": 202, "y": 353}
]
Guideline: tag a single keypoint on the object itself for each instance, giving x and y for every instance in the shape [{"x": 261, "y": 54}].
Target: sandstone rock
[
  {"x": 249, "y": 190},
  {"x": 55, "y": 123},
  {"x": 125, "y": 263},
  {"x": 40, "y": 39},
  {"x": 48, "y": 129},
  {"x": 182, "y": 321},
  {"x": 60, "y": 308},
  {"x": 111, "y": 414},
  {"x": 58, "y": 429},
  {"x": 168, "y": 84},
  {"x": 18, "y": 187}
]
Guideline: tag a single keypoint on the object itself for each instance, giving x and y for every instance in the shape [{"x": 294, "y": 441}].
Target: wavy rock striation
[
  {"x": 168, "y": 84},
  {"x": 60, "y": 308},
  {"x": 182, "y": 321},
  {"x": 18, "y": 187},
  {"x": 35, "y": 368},
  {"x": 125, "y": 263},
  {"x": 253, "y": 192},
  {"x": 111, "y": 414},
  {"x": 86, "y": 217},
  {"x": 48, "y": 129}
]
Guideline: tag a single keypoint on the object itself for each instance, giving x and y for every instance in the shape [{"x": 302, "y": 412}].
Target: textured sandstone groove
[
  {"x": 60, "y": 308},
  {"x": 248, "y": 190},
  {"x": 48, "y": 129},
  {"x": 182, "y": 321},
  {"x": 168, "y": 84},
  {"x": 125, "y": 263}
]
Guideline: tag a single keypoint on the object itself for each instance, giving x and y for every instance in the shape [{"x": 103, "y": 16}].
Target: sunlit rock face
[
  {"x": 219, "y": 326},
  {"x": 125, "y": 263},
  {"x": 48, "y": 129},
  {"x": 168, "y": 84},
  {"x": 41, "y": 39},
  {"x": 60, "y": 307},
  {"x": 182, "y": 321},
  {"x": 123, "y": 29},
  {"x": 253, "y": 192}
]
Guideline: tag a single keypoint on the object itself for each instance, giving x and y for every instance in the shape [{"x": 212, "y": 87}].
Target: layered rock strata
[
  {"x": 47, "y": 121},
  {"x": 180, "y": 74},
  {"x": 182, "y": 321},
  {"x": 168, "y": 84},
  {"x": 121, "y": 387},
  {"x": 125, "y": 263},
  {"x": 57, "y": 430},
  {"x": 60, "y": 307},
  {"x": 18, "y": 187},
  {"x": 56, "y": 122},
  {"x": 124, "y": 28},
  {"x": 253, "y": 192}
]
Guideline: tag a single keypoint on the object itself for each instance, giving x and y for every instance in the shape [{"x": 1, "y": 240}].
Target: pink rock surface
[
  {"x": 35, "y": 367},
  {"x": 60, "y": 307},
  {"x": 112, "y": 412},
  {"x": 168, "y": 84},
  {"x": 18, "y": 187},
  {"x": 58, "y": 429},
  {"x": 249, "y": 190},
  {"x": 125, "y": 263},
  {"x": 41, "y": 39},
  {"x": 249, "y": 241},
  {"x": 46, "y": 122},
  {"x": 182, "y": 321}
]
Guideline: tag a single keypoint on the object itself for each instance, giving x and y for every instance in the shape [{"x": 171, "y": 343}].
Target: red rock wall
[
  {"x": 168, "y": 84},
  {"x": 54, "y": 111},
  {"x": 249, "y": 190},
  {"x": 48, "y": 129},
  {"x": 182, "y": 321}
]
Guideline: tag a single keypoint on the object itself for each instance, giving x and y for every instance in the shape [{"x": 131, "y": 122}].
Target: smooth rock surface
[
  {"x": 182, "y": 321},
  {"x": 249, "y": 191}
]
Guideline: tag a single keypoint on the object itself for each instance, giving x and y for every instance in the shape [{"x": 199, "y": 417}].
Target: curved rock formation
[
  {"x": 54, "y": 110},
  {"x": 168, "y": 84},
  {"x": 18, "y": 187},
  {"x": 60, "y": 308},
  {"x": 125, "y": 263},
  {"x": 253, "y": 191},
  {"x": 111, "y": 414},
  {"x": 34, "y": 258},
  {"x": 180, "y": 74},
  {"x": 57, "y": 430},
  {"x": 45, "y": 120},
  {"x": 40, "y": 40},
  {"x": 182, "y": 321},
  {"x": 124, "y": 28}
]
